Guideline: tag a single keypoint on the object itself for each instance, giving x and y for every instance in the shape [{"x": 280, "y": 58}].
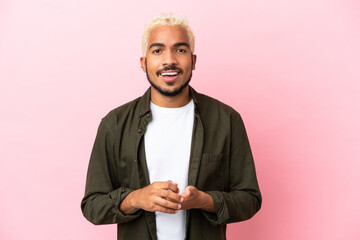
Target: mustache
[{"x": 167, "y": 68}]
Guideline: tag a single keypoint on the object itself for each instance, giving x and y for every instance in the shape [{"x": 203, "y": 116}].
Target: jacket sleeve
[
  {"x": 103, "y": 195},
  {"x": 243, "y": 199}
]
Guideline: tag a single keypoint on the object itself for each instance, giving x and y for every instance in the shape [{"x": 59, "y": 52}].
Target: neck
[{"x": 177, "y": 101}]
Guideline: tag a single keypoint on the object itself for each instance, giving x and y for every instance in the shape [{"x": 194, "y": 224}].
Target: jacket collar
[
  {"x": 195, "y": 96},
  {"x": 144, "y": 101}
]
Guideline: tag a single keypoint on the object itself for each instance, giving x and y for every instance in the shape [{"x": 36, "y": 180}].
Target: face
[{"x": 169, "y": 62}]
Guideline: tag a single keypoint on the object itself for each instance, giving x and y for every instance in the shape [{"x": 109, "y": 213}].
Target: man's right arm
[
  {"x": 103, "y": 192},
  {"x": 107, "y": 201}
]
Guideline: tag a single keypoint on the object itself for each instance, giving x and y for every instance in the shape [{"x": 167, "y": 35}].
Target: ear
[
  {"x": 143, "y": 63},
  {"x": 194, "y": 57}
]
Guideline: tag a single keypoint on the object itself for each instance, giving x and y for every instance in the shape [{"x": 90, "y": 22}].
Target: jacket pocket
[{"x": 211, "y": 172}]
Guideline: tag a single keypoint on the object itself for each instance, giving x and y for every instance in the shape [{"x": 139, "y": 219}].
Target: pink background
[{"x": 291, "y": 68}]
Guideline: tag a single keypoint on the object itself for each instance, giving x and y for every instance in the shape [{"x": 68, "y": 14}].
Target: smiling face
[{"x": 169, "y": 61}]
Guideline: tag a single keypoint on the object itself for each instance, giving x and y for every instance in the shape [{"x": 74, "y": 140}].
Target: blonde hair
[{"x": 168, "y": 19}]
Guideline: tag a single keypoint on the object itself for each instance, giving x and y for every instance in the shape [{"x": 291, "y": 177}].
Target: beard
[{"x": 165, "y": 92}]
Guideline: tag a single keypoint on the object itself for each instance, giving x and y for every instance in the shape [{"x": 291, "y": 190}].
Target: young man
[{"x": 172, "y": 164}]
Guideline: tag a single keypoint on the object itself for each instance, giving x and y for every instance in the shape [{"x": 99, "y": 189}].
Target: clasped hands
[{"x": 165, "y": 197}]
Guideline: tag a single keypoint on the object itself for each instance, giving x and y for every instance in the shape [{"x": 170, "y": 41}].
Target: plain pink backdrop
[{"x": 291, "y": 68}]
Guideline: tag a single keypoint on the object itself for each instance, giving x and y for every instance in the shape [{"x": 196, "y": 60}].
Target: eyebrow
[
  {"x": 157, "y": 45},
  {"x": 181, "y": 44},
  {"x": 175, "y": 45}
]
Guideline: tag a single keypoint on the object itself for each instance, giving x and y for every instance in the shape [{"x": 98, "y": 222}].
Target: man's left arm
[{"x": 243, "y": 199}]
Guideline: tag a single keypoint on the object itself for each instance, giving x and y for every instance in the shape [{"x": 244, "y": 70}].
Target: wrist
[
  {"x": 207, "y": 203},
  {"x": 128, "y": 205}
]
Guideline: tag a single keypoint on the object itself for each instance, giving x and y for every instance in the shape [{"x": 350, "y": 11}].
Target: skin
[
  {"x": 168, "y": 46},
  {"x": 166, "y": 49}
]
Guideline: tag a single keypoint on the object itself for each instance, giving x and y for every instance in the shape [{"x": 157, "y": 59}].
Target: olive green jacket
[{"x": 221, "y": 164}]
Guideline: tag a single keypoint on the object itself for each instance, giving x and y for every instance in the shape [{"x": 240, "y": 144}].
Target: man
[{"x": 172, "y": 164}]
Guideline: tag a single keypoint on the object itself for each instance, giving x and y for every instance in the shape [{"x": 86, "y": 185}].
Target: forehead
[{"x": 168, "y": 35}]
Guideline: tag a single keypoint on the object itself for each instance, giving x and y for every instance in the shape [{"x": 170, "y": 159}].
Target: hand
[
  {"x": 157, "y": 197},
  {"x": 194, "y": 198}
]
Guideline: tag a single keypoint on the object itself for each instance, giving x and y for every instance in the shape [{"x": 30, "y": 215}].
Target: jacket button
[
  {"x": 140, "y": 114},
  {"x": 139, "y": 131},
  {"x": 148, "y": 115}
]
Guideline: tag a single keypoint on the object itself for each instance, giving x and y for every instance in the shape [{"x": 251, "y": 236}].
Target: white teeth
[{"x": 169, "y": 74}]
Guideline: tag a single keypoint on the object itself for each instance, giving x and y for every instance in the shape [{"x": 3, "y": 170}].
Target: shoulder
[
  {"x": 122, "y": 114},
  {"x": 209, "y": 106},
  {"x": 123, "y": 109},
  {"x": 129, "y": 111}
]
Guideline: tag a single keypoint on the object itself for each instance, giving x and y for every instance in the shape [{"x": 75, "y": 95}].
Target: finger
[
  {"x": 157, "y": 204},
  {"x": 186, "y": 193},
  {"x": 173, "y": 186},
  {"x": 168, "y": 185},
  {"x": 174, "y": 197},
  {"x": 192, "y": 189},
  {"x": 166, "y": 210},
  {"x": 167, "y": 204},
  {"x": 181, "y": 199}
]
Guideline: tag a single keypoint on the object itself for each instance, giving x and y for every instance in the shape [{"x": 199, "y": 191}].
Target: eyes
[
  {"x": 178, "y": 50},
  {"x": 181, "y": 50}
]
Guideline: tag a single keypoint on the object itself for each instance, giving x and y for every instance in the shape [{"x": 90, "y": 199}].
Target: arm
[
  {"x": 242, "y": 199},
  {"x": 106, "y": 201},
  {"x": 103, "y": 193}
]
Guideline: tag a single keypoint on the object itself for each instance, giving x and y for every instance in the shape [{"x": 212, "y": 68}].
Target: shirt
[
  {"x": 221, "y": 164},
  {"x": 167, "y": 150}
]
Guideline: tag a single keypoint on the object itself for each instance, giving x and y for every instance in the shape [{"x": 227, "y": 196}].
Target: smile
[{"x": 169, "y": 74}]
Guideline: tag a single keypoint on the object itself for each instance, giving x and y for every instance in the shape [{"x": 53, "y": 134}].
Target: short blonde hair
[{"x": 168, "y": 19}]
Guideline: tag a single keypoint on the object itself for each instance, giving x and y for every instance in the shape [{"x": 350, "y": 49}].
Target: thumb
[{"x": 186, "y": 192}]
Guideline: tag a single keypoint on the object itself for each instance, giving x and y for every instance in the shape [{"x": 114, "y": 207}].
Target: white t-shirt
[{"x": 167, "y": 147}]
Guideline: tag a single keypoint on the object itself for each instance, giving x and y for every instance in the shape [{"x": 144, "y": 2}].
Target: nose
[{"x": 170, "y": 58}]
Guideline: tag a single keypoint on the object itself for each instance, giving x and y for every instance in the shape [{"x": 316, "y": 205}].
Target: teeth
[{"x": 169, "y": 74}]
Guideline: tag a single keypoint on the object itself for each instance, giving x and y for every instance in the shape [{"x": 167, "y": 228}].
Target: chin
[{"x": 169, "y": 91}]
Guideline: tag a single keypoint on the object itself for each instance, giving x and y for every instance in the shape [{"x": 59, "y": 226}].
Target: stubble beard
[{"x": 165, "y": 92}]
